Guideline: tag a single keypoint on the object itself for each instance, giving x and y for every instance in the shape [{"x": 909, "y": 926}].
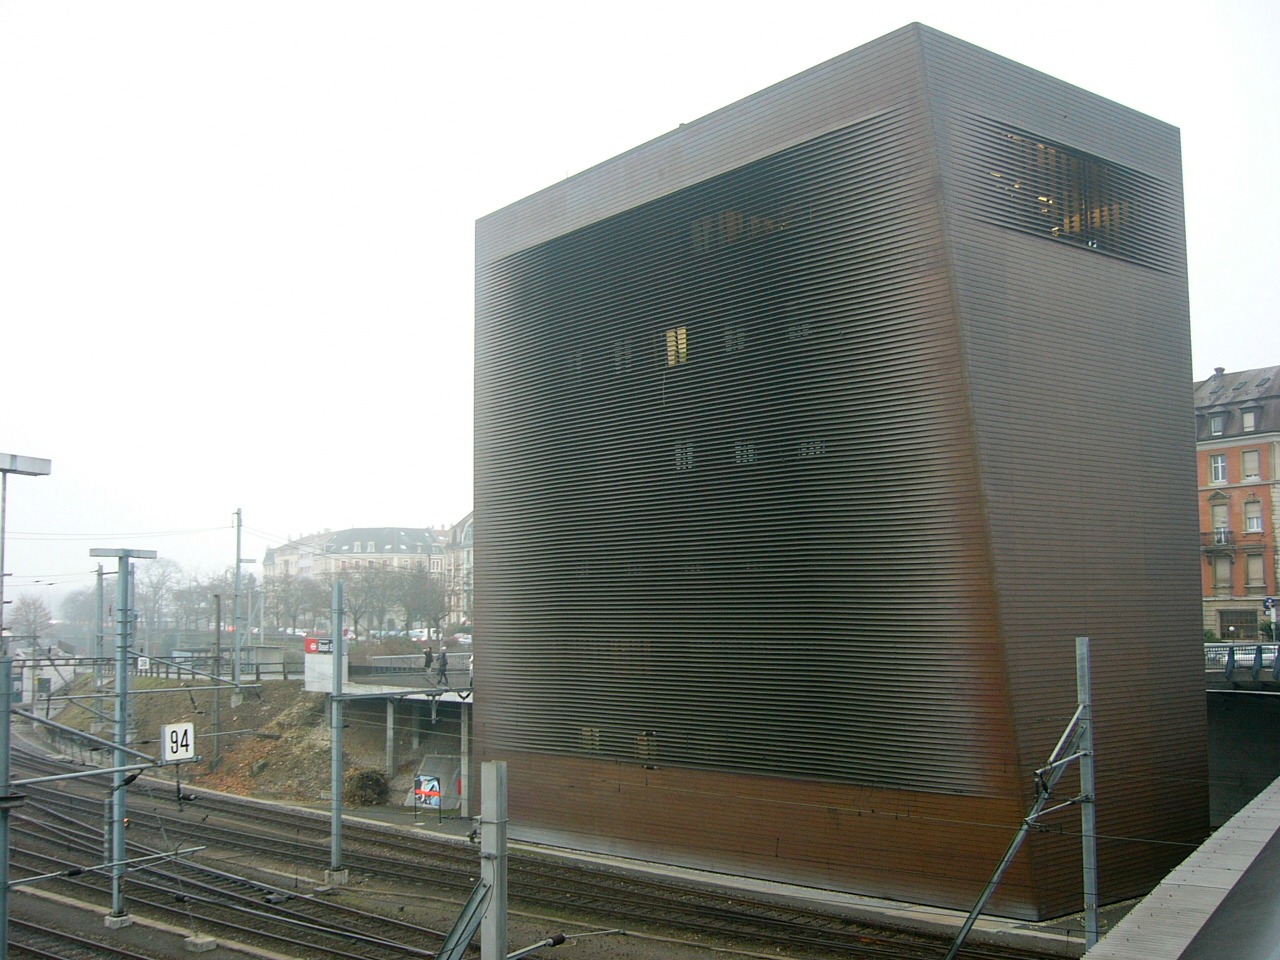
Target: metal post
[
  {"x": 336, "y": 873},
  {"x": 217, "y": 678},
  {"x": 4, "y": 501},
  {"x": 391, "y": 738},
  {"x": 235, "y": 617},
  {"x": 7, "y": 799},
  {"x": 99, "y": 637},
  {"x": 1088, "y": 808},
  {"x": 27, "y": 467},
  {"x": 1076, "y": 743},
  {"x": 464, "y": 801},
  {"x": 493, "y": 858},
  {"x": 121, "y": 733}
]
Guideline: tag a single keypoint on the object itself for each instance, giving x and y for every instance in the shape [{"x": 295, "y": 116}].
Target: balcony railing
[{"x": 1221, "y": 537}]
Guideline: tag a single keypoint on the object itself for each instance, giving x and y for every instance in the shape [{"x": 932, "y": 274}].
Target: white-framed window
[
  {"x": 1249, "y": 465},
  {"x": 1249, "y": 421},
  {"x": 1217, "y": 423},
  {"x": 1253, "y": 516},
  {"x": 1221, "y": 521},
  {"x": 1217, "y": 468}
]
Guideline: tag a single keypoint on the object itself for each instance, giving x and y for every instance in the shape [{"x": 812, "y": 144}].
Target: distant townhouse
[
  {"x": 321, "y": 554},
  {"x": 1238, "y": 459},
  {"x": 459, "y": 569}
]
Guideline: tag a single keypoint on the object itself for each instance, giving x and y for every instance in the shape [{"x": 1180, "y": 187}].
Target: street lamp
[{"x": 26, "y": 467}]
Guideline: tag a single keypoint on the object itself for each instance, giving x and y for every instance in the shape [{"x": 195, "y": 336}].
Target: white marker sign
[{"x": 179, "y": 741}]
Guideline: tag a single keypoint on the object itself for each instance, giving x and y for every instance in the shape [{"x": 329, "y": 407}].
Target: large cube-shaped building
[{"x": 808, "y": 438}]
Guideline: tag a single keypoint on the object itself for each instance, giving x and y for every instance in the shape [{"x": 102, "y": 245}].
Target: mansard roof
[{"x": 1225, "y": 389}]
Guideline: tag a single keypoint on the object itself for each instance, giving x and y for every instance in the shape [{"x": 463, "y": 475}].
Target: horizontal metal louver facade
[
  {"x": 756, "y": 527},
  {"x": 711, "y": 399}
]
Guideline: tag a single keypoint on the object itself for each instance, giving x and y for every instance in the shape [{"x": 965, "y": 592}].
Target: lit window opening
[{"x": 677, "y": 346}]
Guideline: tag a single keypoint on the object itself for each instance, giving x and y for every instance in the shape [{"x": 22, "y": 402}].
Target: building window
[
  {"x": 735, "y": 339},
  {"x": 811, "y": 448},
  {"x": 1238, "y": 624},
  {"x": 677, "y": 346},
  {"x": 1249, "y": 421},
  {"x": 647, "y": 748},
  {"x": 798, "y": 329},
  {"x": 1249, "y": 465},
  {"x": 684, "y": 456},
  {"x": 621, "y": 355},
  {"x": 1216, "y": 423},
  {"x": 744, "y": 453},
  {"x": 1057, "y": 191},
  {"x": 1222, "y": 576},
  {"x": 1221, "y": 521},
  {"x": 1253, "y": 579},
  {"x": 1253, "y": 516},
  {"x": 1217, "y": 468}
]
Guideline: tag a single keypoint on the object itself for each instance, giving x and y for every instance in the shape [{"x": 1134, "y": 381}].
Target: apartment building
[
  {"x": 330, "y": 552},
  {"x": 1237, "y": 461}
]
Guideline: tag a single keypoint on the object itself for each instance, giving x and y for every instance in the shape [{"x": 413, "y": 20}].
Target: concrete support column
[{"x": 391, "y": 738}]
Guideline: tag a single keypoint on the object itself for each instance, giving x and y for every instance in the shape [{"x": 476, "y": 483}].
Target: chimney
[{"x": 1218, "y": 372}]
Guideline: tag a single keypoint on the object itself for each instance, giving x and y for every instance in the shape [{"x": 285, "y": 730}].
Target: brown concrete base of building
[{"x": 916, "y": 847}]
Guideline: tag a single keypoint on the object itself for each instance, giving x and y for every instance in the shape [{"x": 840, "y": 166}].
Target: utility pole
[
  {"x": 238, "y": 622},
  {"x": 26, "y": 467},
  {"x": 1075, "y": 744},
  {"x": 493, "y": 858},
  {"x": 217, "y": 680},
  {"x": 337, "y": 873},
  {"x": 119, "y": 917},
  {"x": 99, "y": 638},
  {"x": 235, "y": 617},
  {"x": 8, "y": 799}
]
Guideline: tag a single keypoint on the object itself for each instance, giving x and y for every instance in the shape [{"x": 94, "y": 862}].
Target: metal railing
[{"x": 1231, "y": 657}]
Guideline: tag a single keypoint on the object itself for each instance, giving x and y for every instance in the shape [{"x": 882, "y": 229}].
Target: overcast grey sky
[{"x": 236, "y": 237}]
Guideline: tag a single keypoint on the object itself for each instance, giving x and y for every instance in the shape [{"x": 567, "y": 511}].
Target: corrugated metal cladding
[{"x": 796, "y": 480}]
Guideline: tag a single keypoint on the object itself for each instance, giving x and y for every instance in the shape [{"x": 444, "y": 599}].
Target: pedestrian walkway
[{"x": 1220, "y": 902}]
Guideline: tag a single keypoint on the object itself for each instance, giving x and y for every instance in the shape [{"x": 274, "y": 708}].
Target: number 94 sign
[{"x": 178, "y": 742}]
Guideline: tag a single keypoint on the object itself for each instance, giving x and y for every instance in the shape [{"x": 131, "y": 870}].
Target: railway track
[
  {"x": 31, "y": 941},
  {"x": 394, "y": 864},
  {"x": 214, "y": 902}
]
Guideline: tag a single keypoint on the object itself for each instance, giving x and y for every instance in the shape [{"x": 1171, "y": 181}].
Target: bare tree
[
  {"x": 380, "y": 587},
  {"x": 358, "y": 587},
  {"x": 288, "y": 598},
  {"x": 317, "y": 600},
  {"x": 154, "y": 587},
  {"x": 421, "y": 596},
  {"x": 30, "y": 617},
  {"x": 80, "y": 608},
  {"x": 193, "y": 605}
]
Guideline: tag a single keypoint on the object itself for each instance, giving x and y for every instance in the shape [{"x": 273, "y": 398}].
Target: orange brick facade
[{"x": 1237, "y": 457}]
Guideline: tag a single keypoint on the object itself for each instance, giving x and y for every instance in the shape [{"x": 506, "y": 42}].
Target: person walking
[
  {"x": 426, "y": 657},
  {"x": 442, "y": 664}
]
